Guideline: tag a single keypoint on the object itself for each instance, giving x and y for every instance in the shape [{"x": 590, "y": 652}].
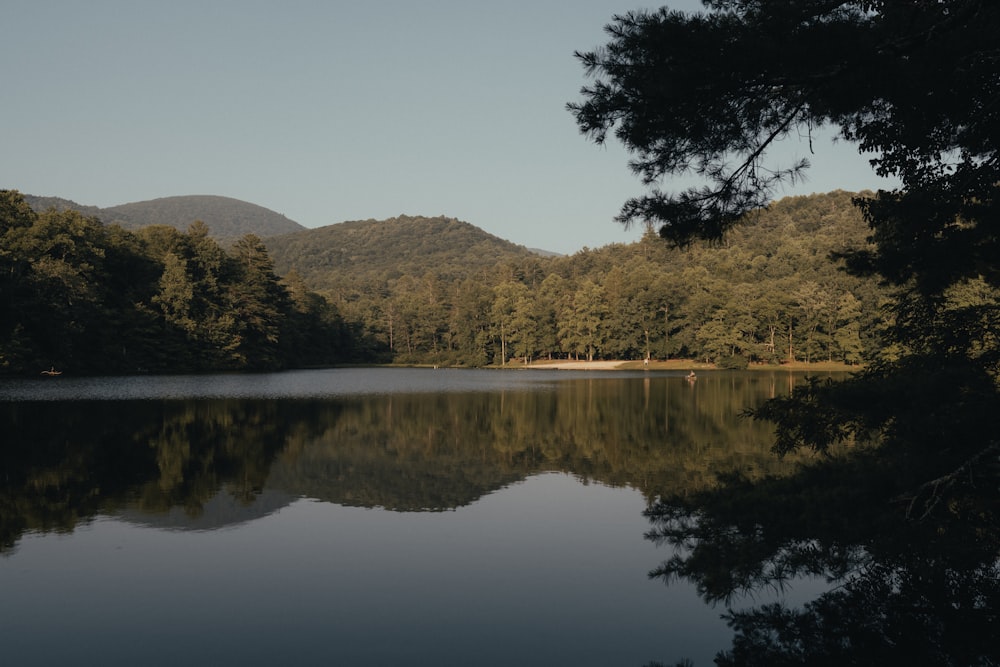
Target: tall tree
[
  {"x": 847, "y": 333},
  {"x": 915, "y": 86},
  {"x": 582, "y": 331},
  {"x": 16, "y": 218},
  {"x": 259, "y": 303},
  {"x": 58, "y": 289},
  {"x": 469, "y": 327},
  {"x": 507, "y": 316}
]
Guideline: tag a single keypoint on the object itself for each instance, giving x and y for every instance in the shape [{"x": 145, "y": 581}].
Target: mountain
[
  {"x": 358, "y": 250},
  {"x": 39, "y": 204},
  {"x": 226, "y": 218},
  {"x": 405, "y": 245}
]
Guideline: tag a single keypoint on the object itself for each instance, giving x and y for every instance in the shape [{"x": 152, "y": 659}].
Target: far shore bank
[
  {"x": 685, "y": 365},
  {"x": 678, "y": 365}
]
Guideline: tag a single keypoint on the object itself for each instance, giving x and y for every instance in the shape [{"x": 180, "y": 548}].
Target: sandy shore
[
  {"x": 580, "y": 365},
  {"x": 619, "y": 364},
  {"x": 676, "y": 365}
]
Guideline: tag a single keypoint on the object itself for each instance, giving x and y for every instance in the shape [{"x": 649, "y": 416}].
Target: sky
[{"x": 333, "y": 110}]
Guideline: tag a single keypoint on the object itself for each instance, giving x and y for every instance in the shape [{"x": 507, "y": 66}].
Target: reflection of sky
[
  {"x": 315, "y": 383},
  {"x": 288, "y": 384},
  {"x": 548, "y": 571}
]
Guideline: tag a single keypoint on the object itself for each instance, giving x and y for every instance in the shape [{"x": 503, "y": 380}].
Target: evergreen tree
[
  {"x": 258, "y": 304},
  {"x": 583, "y": 331}
]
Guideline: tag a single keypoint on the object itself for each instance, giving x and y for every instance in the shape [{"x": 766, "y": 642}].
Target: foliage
[
  {"x": 81, "y": 296},
  {"x": 710, "y": 93},
  {"x": 439, "y": 291},
  {"x": 913, "y": 84}
]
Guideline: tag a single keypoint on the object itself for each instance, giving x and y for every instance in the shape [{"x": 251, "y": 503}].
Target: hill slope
[
  {"x": 39, "y": 204},
  {"x": 226, "y": 218},
  {"x": 405, "y": 245}
]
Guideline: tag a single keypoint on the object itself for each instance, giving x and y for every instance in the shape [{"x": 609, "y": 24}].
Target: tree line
[
  {"x": 768, "y": 293},
  {"x": 95, "y": 298},
  {"x": 80, "y": 295}
]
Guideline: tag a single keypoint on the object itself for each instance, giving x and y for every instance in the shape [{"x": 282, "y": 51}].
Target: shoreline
[{"x": 679, "y": 365}]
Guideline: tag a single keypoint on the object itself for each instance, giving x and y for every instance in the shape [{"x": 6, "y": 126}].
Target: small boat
[{"x": 52, "y": 371}]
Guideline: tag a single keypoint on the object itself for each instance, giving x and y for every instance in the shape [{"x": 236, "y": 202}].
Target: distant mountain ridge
[
  {"x": 226, "y": 218},
  {"x": 361, "y": 249},
  {"x": 39, "y": 204}
]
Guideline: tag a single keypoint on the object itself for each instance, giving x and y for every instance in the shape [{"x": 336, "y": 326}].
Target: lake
[{"x": 365, "y": 516}]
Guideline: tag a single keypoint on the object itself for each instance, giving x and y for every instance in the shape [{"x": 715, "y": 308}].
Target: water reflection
[
  {"x": 218, "y": 496},
  {"x": 67, "y": 460},
  {"x": 901, "y": 591}
]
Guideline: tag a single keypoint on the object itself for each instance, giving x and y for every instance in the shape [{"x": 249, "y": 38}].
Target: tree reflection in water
[
  {"x": 905, "y": 592},
  {"x": 64, "y": 462}
]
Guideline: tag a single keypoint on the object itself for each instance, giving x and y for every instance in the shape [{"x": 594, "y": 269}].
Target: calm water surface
[{"x": 360, "y": 516}]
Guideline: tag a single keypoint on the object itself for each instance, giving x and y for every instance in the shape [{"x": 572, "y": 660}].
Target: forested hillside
[
  {"x": 769, "y": 293},
  {"x": 40, "y": 204},
  {"x": 227, "y": 219},
  {"x": 380, "y": 250},
  {"x": 430, "y": 290}
]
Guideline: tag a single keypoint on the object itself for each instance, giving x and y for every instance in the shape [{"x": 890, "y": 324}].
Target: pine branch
[{"x": 937, "y": 486}]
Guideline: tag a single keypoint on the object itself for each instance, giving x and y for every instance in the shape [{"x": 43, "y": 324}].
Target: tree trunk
[{"x": 791, "y": 355}]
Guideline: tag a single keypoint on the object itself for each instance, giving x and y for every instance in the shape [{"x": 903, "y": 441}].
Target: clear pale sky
[{"x": 330, "y": 110}]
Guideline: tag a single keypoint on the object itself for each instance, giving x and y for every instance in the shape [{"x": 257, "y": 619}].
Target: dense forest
[
  {"x": 769, "y": 293},
  {"x": 79, "y": 295},
  {"x": 85, "y": 296}
]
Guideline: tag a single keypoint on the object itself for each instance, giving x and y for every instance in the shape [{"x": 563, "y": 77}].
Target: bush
[{"x": 736, "y": 362}]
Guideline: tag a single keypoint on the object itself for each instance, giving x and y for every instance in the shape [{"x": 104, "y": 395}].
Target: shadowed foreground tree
[
  {"x": 916, "y": 85},
  {"x": 913, "y": 593}
]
